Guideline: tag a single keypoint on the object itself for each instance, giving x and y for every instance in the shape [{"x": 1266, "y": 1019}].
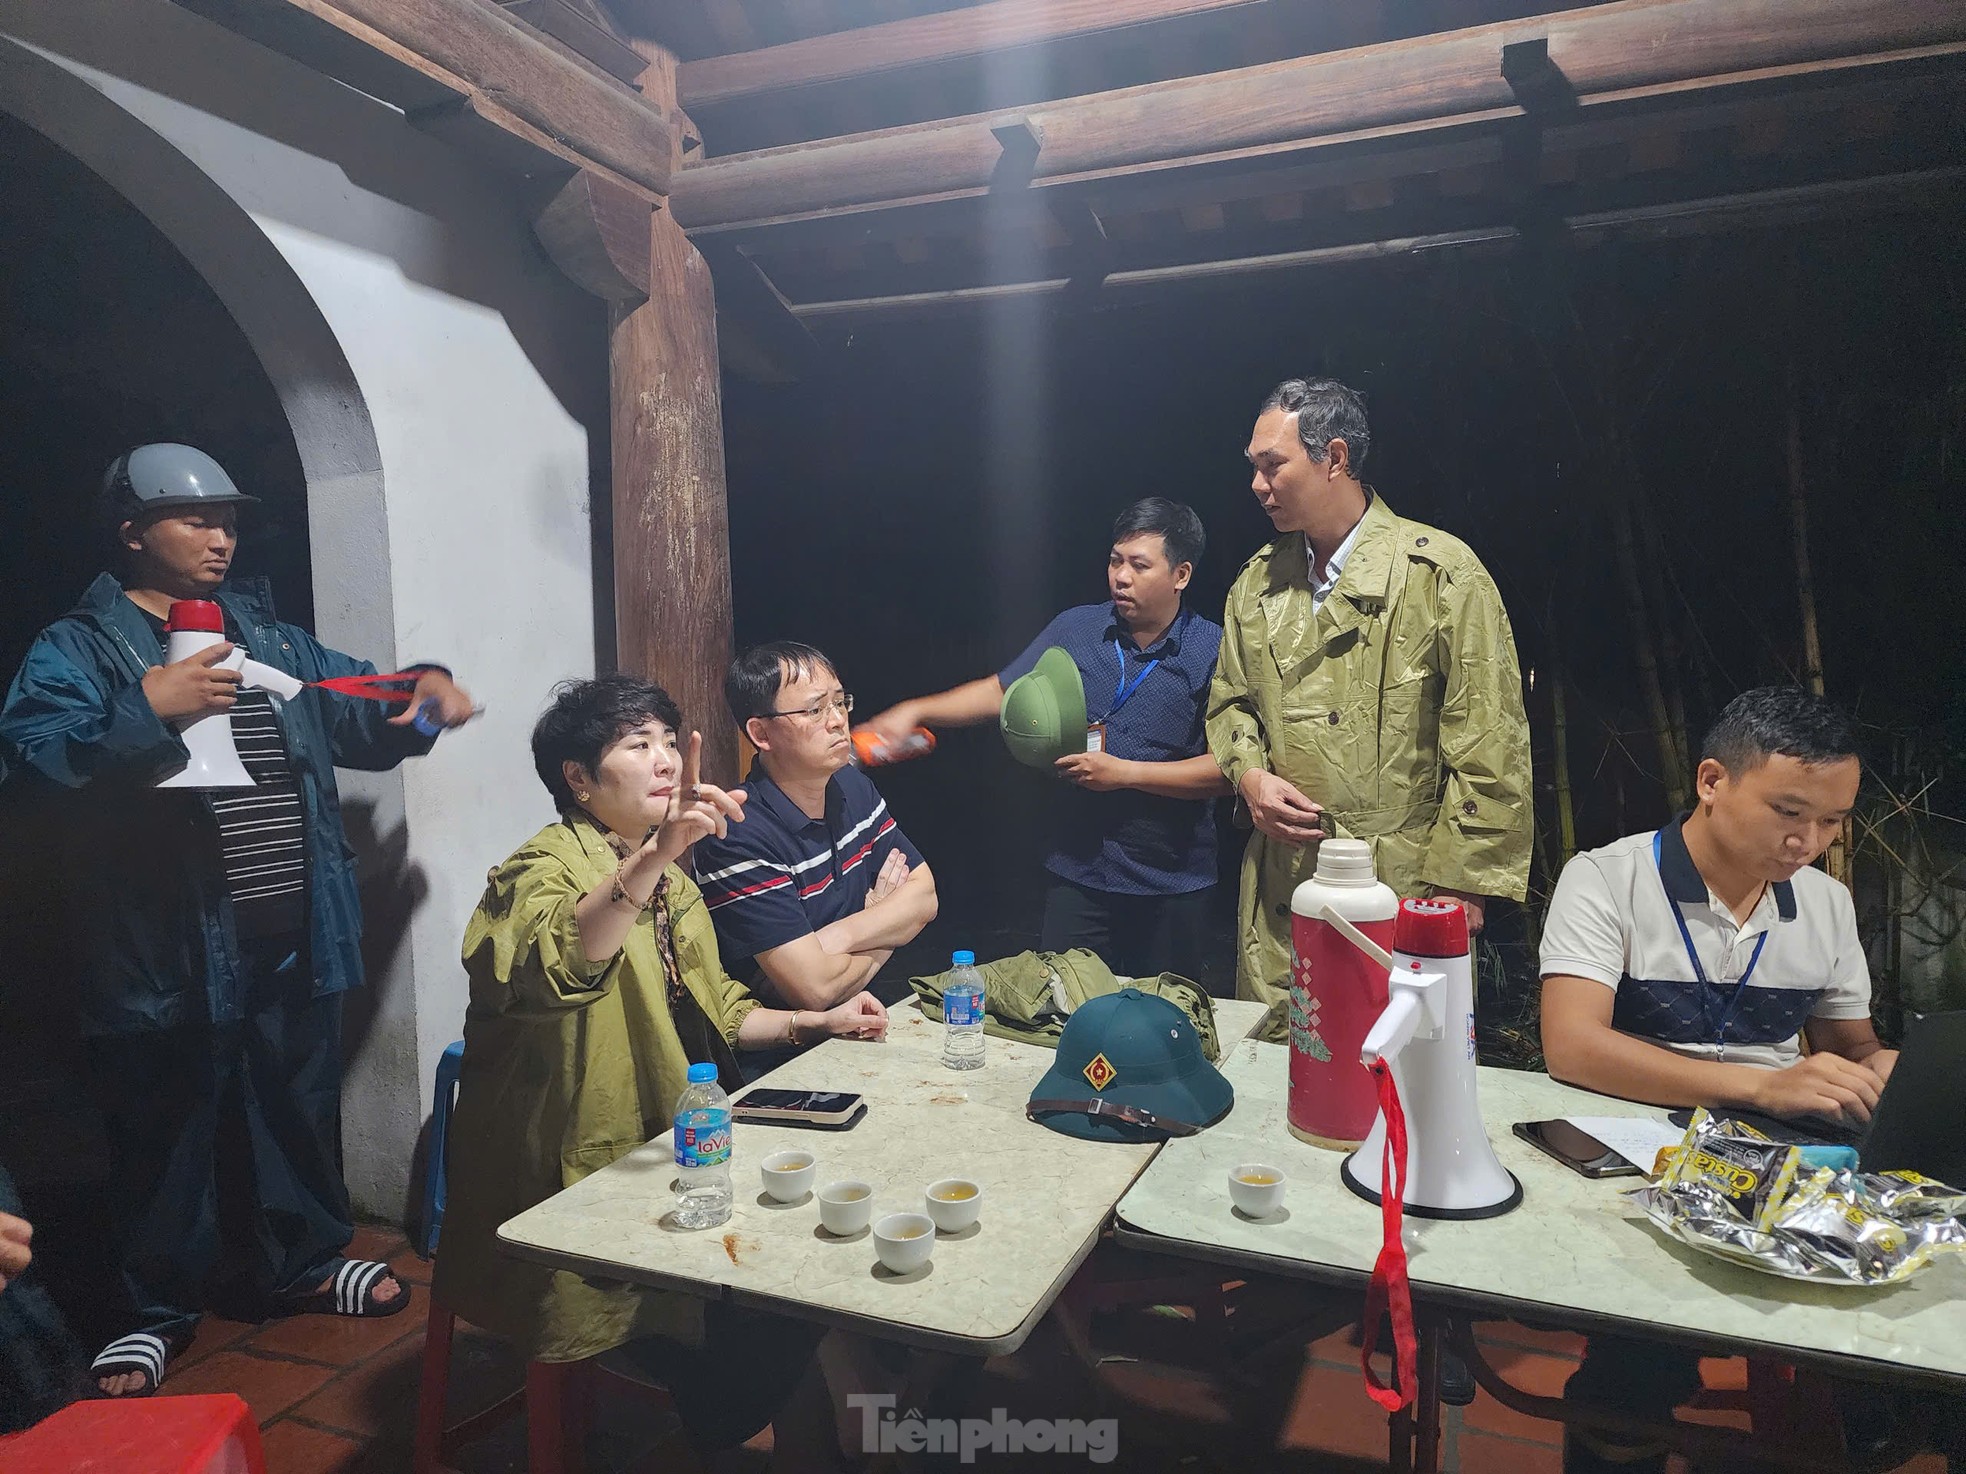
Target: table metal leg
[
  {"x": 1399, "y": 1441},
  {"x": 1721, "y": 1448},
  {"x": 939, "y": 1384},
  {"x": 1426, "y": 1435},
  {"x": 1413, "y": 1433}
]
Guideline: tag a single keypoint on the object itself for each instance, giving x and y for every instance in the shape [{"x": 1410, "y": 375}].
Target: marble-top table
[
  {"x": 1046, "y": 1198},
  {"x": 1577, "y": 1253}
]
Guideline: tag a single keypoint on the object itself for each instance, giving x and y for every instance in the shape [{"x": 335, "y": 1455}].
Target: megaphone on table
[
  {"x": 1426, "y": 1037},
  {"x": 1421, "y": 1052}
]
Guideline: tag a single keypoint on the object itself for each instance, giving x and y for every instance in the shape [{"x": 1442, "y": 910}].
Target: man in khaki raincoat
[{"x": 1367, "y": 687}]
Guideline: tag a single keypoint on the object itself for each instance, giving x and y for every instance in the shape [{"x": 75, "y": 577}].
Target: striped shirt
[
  {"x": 262, "y": 831},
  {"x": 781, "y": 875}
]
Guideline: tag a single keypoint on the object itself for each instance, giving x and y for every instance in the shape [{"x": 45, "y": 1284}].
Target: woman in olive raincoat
[{"x": 595, "y": 981}]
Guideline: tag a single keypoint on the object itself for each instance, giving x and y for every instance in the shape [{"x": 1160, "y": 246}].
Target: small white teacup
[
  {"x": 954, "y": 1203},
  {"x": 1256, "y": 1188},
  {"x": 788, "y": 1175},
  {"x": 847, "y": 1206},
  {"x": 904, "y": 1240}
]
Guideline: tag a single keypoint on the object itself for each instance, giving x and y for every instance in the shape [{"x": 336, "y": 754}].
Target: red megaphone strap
[
  {"x": 374, "y": 688},
  {"x": 1389, "y": 1289}
]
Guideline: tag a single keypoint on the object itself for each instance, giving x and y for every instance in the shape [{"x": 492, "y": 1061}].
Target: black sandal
[
  {"x": 352, "y": 1292},
  {"x": 144, "y": 1352}
]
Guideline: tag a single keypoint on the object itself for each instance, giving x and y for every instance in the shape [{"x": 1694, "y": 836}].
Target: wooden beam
[
  {"x": 1935, "y": 191},
  {"x": 671, "y": 517},
  {"x": 579, "y": 32},
  {"x": 1537, "y": 82},
  {"x": 1088, "y": 248},
  {"x": 1621, "y": 51},
  {"x": 598, "y": 234},
  {"x": 672, "y": 612},
  {"x": 1917, "y": 191},
  {"x": 494, "y": 65},
  {"x": 779, "y": 348},
  {"x": 951, "y": 35},
  {"x": 1464, "y": 157},
  {"x": 686, "y": 27},
  {"x": 324, "y": 40},
  {"x": 609, "y": 124},
  {"x": 1822, "y": 165}
]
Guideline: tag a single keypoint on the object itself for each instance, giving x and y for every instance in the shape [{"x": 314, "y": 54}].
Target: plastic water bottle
[
  {"x": 962, "y": 1015},
  {"x": 427, "y": 721},
  {"x": 871, "y": 750},
  {"x": 702, "y": 1151}
]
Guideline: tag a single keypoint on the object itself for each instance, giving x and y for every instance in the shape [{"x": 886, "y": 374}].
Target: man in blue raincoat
[{"x": 214, "y": 929}]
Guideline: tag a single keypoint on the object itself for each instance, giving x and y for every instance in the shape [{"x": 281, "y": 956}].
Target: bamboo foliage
[
  {"x": 1837, "y": 860},
  {"x": 1805, "y": 581},
  {"x": 1600, "y": 424},
  {"x": 1648, "y": 610},
  {"x": 1566, "y": 810},
  {"x": 1652, "y": 568},
  {"x": 1645, "y": 650}
]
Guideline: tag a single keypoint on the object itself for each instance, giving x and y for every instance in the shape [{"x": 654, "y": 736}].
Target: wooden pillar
[{"x": 671, "y": 520}]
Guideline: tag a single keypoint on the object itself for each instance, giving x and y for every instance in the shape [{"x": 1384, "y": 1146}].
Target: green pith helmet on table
[
  {"x": 1043, "y": 713},
  {"x": 1130, "y": 1068}
]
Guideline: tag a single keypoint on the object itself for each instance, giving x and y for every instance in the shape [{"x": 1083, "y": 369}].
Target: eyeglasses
[{"x": 818, "y": 712}]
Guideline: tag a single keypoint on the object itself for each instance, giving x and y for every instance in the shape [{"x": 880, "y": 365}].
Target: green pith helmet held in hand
[
  {"x": 1130, "y": 1068},
  {"x": 165, "y": 477},
  {"x": 1043, "y": 715}
]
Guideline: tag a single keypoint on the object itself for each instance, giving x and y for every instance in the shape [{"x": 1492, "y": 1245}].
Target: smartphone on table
[
  {"x": 1576, "y": 1148},
  {"x": 834, "y": 1109}
]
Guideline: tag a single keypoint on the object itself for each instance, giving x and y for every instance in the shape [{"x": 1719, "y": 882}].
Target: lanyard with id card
[
  {"x": 1708, "y": 988},
  {"x": 1095, "y": 732}
]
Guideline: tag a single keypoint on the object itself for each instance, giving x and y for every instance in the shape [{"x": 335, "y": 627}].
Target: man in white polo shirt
[{"x": 1682, "y": 967}]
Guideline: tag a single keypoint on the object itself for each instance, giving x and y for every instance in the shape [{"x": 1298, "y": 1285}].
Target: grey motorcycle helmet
[{"x": 165, "y": 477}]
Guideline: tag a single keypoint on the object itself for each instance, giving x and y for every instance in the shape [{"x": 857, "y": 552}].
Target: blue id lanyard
[
  {"x": 1693, "y": 956},
  {"x": 1123, "y": 692}
]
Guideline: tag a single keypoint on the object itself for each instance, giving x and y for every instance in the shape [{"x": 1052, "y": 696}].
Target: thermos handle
[{"x": 1357, "y": 938}]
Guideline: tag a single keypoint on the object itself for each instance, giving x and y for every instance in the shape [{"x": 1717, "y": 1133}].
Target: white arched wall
[{"x": 447, "y": 391}]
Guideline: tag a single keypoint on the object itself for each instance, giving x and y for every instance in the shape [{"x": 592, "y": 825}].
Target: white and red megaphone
[
  {"x": 199, "y": 624},
  {"x": 1428, "y": 1143},
  {"x": 1426, "y": 1037}
]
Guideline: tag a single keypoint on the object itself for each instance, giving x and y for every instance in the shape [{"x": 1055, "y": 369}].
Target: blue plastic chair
[{"x": 440, "y": 1119}]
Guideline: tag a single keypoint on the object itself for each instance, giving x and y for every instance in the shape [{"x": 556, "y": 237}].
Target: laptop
[{"x": 1920, "y": 1120}]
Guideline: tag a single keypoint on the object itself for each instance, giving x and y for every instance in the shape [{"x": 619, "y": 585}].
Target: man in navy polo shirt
[
  {"x": 1132, "y": 853},
  {"x": 818, "y": 885},
  {"x": 1681, "y": 967}
]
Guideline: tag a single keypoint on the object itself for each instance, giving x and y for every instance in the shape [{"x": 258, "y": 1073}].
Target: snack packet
[
  {"x": 1734, "y": 1164},
  {"x": 1730, "y": 1191}
]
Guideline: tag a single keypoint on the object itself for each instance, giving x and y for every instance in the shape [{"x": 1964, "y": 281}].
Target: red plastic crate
[{"x": 149, "y": 1435}]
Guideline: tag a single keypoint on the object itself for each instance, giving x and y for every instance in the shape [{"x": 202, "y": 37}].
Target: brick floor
[
  {"x": 1483, "y": 1453},
  {"x": 295, "y": 1448},
  {"x": 339, "y": 1396},
  {"x": 341, "y": 1340},
  {"x": 270, "y": 1385},
  {"x": 1331, "y": 1412},
  {"x": 375, "y": 1397},
  {"x": 215, "y": 1333},
  {"x": 1538, "y": 1375}
]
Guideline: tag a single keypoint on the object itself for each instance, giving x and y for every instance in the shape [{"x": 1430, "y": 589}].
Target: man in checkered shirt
[{"x": 1132, "y": 844}]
